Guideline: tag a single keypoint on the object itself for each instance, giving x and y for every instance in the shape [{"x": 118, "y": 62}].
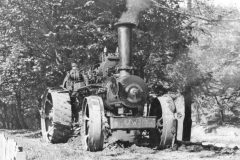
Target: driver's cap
[{"x": 74, "y": 64}]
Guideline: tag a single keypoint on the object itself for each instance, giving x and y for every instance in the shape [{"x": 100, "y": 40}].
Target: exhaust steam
[{"x": 134, "y": 7}]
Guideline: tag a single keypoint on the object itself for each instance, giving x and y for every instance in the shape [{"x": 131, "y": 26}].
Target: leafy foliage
[
  {"x": 39, "y": 39},
  {"x": 217, "y": 57}
]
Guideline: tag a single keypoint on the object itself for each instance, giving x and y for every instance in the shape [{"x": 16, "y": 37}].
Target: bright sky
[
  {"x": 227, "y": 3},
  {"x": 223, "y": 3}
]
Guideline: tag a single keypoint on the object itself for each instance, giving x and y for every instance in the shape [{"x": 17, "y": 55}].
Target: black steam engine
[{"x": 119, "y": 106}]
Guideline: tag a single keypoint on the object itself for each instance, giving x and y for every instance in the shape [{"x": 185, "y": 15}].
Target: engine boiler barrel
[{"x": 124, "y": 46}]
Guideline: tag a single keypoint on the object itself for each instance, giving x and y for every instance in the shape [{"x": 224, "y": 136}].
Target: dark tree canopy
[{"x": 39, "y": 39}]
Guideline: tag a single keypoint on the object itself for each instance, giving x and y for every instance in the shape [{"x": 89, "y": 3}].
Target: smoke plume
[{"x": 134, "y": 7}]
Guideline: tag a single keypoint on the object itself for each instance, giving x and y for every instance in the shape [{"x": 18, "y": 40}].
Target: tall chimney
[{"x": 124, "y": 46}]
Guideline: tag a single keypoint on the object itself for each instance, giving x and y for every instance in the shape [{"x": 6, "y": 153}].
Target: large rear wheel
[
  {"x": 92, "y": 127},
  {"x": 56, "y": 116}
]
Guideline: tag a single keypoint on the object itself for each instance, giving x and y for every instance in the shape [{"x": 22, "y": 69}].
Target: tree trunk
[
  {"x": 19, "y": 112},
  {"x": 5, "y": 118},
  {"x": 221, "y": 116},
  {"x": 2, "y": 115},
  {"x": 14, "y": 117},
  {"x": 221, "y": 111},
  {"x": 141, "y": 74},
  {"x": 188, "y": 111}
]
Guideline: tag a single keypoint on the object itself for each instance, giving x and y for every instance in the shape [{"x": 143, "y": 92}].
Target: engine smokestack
[{"x": 124, "y": 46}]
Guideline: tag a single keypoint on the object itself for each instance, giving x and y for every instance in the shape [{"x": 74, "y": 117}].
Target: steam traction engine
[{"x": 115, "y": 106}]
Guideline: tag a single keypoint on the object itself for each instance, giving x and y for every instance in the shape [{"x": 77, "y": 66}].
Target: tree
[
  {"x": 39, "y": 39},
  {"x": 219, "y": 42}
]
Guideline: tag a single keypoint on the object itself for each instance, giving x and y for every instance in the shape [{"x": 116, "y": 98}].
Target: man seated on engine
[{"x": 74, "y": 80}]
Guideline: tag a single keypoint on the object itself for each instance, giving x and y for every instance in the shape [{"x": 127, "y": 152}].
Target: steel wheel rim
[{"x": 86, "y": 125}]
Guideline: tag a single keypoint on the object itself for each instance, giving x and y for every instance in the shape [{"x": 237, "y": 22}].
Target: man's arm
[{"x": 85, "y": 77}]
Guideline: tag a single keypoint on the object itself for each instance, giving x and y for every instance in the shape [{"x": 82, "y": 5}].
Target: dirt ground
[{"x": 36, "y": 149}]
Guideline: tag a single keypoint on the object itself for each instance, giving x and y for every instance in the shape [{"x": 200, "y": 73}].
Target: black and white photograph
[{"x": 119, "y": 79}]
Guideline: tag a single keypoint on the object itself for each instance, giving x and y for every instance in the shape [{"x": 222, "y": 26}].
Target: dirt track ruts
[{"x": 38, "y": 150}]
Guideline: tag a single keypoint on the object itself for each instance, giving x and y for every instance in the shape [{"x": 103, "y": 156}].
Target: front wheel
[
  {"x": 165, "y": 132},
  {"x": 92, "y": 128}
]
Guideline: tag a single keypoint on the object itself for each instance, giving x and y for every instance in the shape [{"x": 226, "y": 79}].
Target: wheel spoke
[
  {"x": 50, "y": 132},
  {"x": 161, "y": 119},
  {"x": 85, "y": 142},
  {"x": 160, "y": 123},
  {"x": 160, "y": 131},
  {"x": 50, "y": 116},
  {"x": 87, "y": 127},
  {"x": 48, "y": 100},
  {"x": 86, "y": 118}
]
